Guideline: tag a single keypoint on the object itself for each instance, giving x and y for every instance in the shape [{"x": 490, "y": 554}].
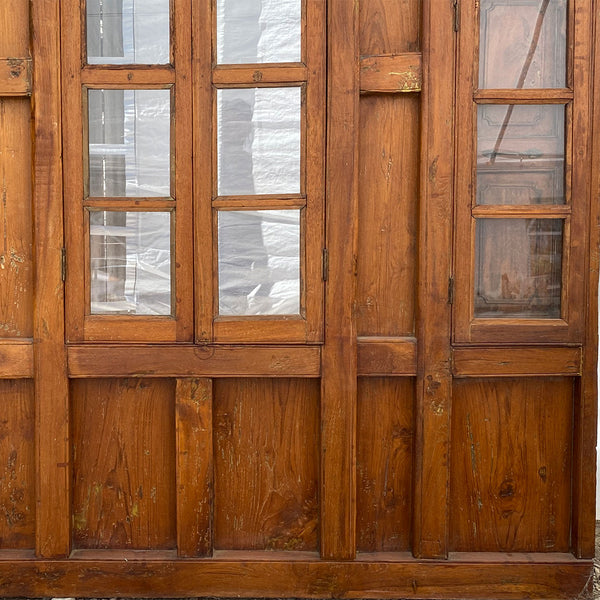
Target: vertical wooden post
[
  {"x": 51, "y": 382},
  {"x": 194, "y": 467},
  {"x": 339, "y": 363},
  {"x": 434, "y": 380}
]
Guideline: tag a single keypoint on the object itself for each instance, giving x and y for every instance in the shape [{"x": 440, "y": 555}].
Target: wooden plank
[
  {"x": 16, "y": 360},
  {"x": 512, "y": 361},
  {"x": 511, "y": 578},
  {"x": 391, "y": 74},
  {"x": 387, "y": 215},
  {"x": 194, "y": 448},
  {"x": 511, "y": 465},
  {"x": 242, "y": 74},
  {"x": 193, "y": 361},
  {"x": 123, "y": 463},
  {"x": 15, "y": 77},
  {"x": 387, "y": 356},
  {"x": 266, "y": 435},
  {"x": 53, "y": 537},
  {"x": 339, "y": 357},
  {"x": 434, "y": 381}
]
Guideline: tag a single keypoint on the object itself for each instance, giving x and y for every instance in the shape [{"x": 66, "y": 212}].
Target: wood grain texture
[
  {"x": 17, "y": 465},
  {"x": 391, "y": 73},
  {"x": 123, "y": 454},
  {"x": 194, "y": 448},
  {"x": 385, "y": 435},
  {"x": 266, "y": 436},
  {"x": 16, "y": 360},
  {"x": 16, "y": 221},
  {"x": 511, "y": 465},
  {"x": 15, "y": 77},
  {"x": 14, "y": 24},
  {"x": 390, "y": 27},
  {"x": 387, "y": 215},
  {"x": 387, "y": 356}
]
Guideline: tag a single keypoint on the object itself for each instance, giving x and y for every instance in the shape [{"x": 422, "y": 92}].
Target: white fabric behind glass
[
  {"x": 258, "y": 139},
  {"x": 127, "y": 31},
  {"x": 259, "y": 262},
  {"x": 259, "y": 31}
]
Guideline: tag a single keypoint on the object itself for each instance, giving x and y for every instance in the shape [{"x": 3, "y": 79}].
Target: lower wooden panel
[
  {"x": 17, "y": 465},
  {"x": 511, "y": 465},
  {"x": 512, "y": 579},
  {"x": 123, "y": 433},
  {"x": 266, "y": 438},
  {"x": 385, "y": 436}
]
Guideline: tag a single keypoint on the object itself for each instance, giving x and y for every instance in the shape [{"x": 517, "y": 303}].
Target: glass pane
[
  {"x": 520, "y": 154},
  {"x": 259, "y": 262},
  {"x": 127, "y": 32},
  {"x": 129, "y": 143},
  {"x": 130, "y": 263},
  {"x": 522, "y": 44},
  {"x": 259, "y": 31},
  {"x": 259, "y": 141},
  {"x": 518, "y": 268}
]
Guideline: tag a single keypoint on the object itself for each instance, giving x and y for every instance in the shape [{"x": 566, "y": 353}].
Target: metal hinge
[
  {"x": 63, "y": 258},
  {"x": 456, "y": 7},
  {"x": 325, "y": 264},
  {"x": 451, "y": 290}
]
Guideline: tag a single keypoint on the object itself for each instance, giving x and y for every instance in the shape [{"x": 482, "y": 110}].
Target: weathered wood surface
[
  {"x": 16, "y": 360},
  {"x": 394, "y": 74},
  {"x": 15, "y": 77}
]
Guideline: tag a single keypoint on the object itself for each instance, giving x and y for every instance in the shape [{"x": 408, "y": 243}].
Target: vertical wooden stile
[
  {"x": 194, "y": 448},
  {"x": 339, "y": 362},
  {"x": 434, "y": 381},
  {"x": 51, "y": 383}
]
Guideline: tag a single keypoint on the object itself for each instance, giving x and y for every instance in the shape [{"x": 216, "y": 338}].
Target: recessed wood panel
[
  {"x": 14, "y": 25},
  {"x": 511, "y": 465},
  {"x": 385, "y": 458},
  {"x": 123, "y": 463},
  {"x": 266, "y": 464},
  {"x": 389, "y": 26},
  {"x": 17, "y": 468},
  {"x": 387, "y": 219},
  {"x": 16, "y": 269}
]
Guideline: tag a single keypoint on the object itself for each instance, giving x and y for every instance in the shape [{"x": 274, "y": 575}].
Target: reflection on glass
[
  {"x": 127, "y": 32},
  {"x": 259, "y": 262},
  {"x": 130, "y": 262},
  {"x": 259, "y": 141},
  {"x": 259, "y": 31},
  {"x": 518, "y": 268},
  {"x": 129, "y": 143},
  {"x": 520, "y": 154},
  {"x": 522, "y": 43}
]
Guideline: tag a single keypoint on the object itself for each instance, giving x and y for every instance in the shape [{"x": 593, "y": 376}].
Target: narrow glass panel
[
  {"x": 259, "y": 141},
  {"x": 522, "y": 44},
  {"x": 259, "y": 31},
  {"x": 127, "y": 32},
  {"x": 518, "y": 268},
  {"x": 130, "y": 263},
  {"x": 520, "y": 154},
  {"x": 259, "y": 262},
  {"x": 129, "y": 143}
]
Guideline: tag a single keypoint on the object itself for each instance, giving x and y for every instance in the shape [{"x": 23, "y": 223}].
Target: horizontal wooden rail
[
  {"x": 15, "y": 77},
  {"x": 391, "y": 73},
  {"x": 382, "y": 356},
  {"x": 509, "y": 361},
  {"x": 16, "y": 360}
]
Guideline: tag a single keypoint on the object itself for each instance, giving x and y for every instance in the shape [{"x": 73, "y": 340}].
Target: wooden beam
[
  {"x": 16, "y": 360},
  {"x": 380, "y": 356},
  {"x": 514, "y": 361},
  {"x": 391, "y": 74},
  {"x": 339, "y": 357},
  {"x": 53, "y": 535},
  {"x": 193, "y": 361},
  {"x": 15, "y": 77}
]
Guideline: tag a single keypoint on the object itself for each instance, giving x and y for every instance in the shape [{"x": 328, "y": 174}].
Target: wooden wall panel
[
  {"x": 387, "y": 219},
  {"x": 17, "y": 464},
  {"x": 511, "y": 465},
  {"x": 14, "y": 25},
  {"x": 123, "y": 463},
  {"x": 385, "y": 434},
  {"x": 266, "y": 464},
  {"x": 16, "y": 272},
  {"x": 389, "y": 26}
]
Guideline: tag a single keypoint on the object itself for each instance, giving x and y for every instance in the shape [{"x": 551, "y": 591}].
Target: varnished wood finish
[
  {"x": 253, "y": 75},
  {"x": 511, "y": 465},
  {"x": 15, "y": 77},
  {"x": 266, "y": 435},
  {"x": 391, "y": 74},
  {"x": 123, "y": 463},
  {"x": 16, "y": 360},
  {"x": 387, "y": 356}
]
